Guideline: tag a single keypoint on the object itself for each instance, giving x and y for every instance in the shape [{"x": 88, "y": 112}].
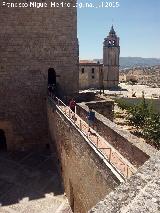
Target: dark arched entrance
[
  {"x": 3, "y": 144},
  {"x": 51, "y": 76}
]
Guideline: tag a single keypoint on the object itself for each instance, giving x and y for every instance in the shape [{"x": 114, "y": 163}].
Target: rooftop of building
[{"x": 89, "y": 63}]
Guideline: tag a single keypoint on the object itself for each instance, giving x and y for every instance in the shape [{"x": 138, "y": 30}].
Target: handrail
[{"x": 128, "y": 169}]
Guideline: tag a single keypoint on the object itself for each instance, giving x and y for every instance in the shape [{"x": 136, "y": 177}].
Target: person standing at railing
[
  {"x": 72, "y": 105},
  {"x": 91, "y": 119}
]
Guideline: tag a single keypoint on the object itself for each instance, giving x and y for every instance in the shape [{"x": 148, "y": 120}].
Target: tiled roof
[
  {"x": 89, "y": 63},
  {"x": 86, "y": 61}
]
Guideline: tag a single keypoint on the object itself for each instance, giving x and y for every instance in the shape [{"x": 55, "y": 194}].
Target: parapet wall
[
  {"x": 103, "y": 107},
  {"x": 87, "y": 177},
  {"x": 141, "y": 193},
  {"x": 128, "y": 145}
]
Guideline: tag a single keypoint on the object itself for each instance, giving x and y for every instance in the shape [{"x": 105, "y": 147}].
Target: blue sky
[{"x": 137, "y": 23}]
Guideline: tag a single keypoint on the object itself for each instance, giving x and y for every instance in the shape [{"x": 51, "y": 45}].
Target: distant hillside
[
  {"x": 127, "y": 62},
  {"x": 137, "y": 61}
]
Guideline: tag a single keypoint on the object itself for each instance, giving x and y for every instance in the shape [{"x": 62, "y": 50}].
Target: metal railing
[{"x": 125, "y": 168}]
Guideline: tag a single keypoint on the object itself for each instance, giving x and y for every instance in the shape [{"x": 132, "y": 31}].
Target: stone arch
[
  {"x": 51, "y": 76},
  {"x": 3, "y": 143},
  {"x": 6, "y": 129}
]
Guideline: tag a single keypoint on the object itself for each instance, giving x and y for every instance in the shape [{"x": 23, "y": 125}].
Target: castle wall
[
  {"x": 138, "y": 194},
  {"x": 86, "y": 176},
  {"x": 31, "y": 41},
  {"x": 103, "y": 107},
  {"x": 130, "y": 147}
]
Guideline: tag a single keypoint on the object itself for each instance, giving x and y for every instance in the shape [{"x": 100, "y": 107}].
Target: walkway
[
  {"x": 29, "y": 183},
  {"x": 123, "y": 166}
]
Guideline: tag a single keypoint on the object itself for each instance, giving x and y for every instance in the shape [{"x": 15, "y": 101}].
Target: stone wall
[
  {"x": 90, "y": 75},
  {"x": 105, "y": 108},
  {"x": 31, "y": 41},
  {"x": 135, "y": 151},
  {"x": 87, "y": 177},
  {"x": 141, "y": 193},
  {"x": 111, "y": 76}
]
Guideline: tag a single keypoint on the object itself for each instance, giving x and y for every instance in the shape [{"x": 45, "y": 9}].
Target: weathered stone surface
[
  {"x": 103, "y": 107},
  {"x": 111, "y": 52},
  {"x": 90, "y": 75},
  {"x": 87, "y": 177},
  {"x": 141, "y": 193},
  {"x": 127, "y": 144},
  {"x": 31, "y": 187},
  {"x": 31, "y": 41}
]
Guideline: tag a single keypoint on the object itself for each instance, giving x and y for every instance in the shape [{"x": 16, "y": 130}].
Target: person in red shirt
[{"x": 72, "y": 105}]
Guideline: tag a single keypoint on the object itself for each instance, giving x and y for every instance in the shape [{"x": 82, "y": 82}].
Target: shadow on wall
[{"x": 28, "y": 175}]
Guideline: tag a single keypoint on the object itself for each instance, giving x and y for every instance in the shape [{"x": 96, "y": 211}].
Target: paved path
[
  {"x": 113, "y": 155},
  {"x": 29, "y": 183}
]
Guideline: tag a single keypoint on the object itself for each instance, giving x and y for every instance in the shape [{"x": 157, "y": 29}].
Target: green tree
[
  {"x": 143, "y": 117},
  {"x": 122, "y": 104},
  {"x": 151, "y": 129},
  {"x": 138, "y": 113}
]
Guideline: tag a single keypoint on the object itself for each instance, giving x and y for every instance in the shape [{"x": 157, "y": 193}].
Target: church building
[{"x": 102, "y": 75}]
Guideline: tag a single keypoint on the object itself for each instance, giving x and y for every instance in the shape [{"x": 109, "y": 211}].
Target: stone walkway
[
  {"x": 29, "y": 183},
  {"x": 116, "y": 159}
]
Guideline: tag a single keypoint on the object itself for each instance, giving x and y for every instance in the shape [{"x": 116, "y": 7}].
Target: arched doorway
[
  {"x": 51, "y": 76},
  {"x": 3, "y": 144}
]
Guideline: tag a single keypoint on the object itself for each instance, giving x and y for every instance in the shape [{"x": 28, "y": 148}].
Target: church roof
[
  {"x": 85, "y": 61},
  {"x": 89, "y": 63}
]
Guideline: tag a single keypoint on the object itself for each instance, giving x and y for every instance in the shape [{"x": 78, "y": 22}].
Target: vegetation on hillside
[{"x": 144, "y": 119}]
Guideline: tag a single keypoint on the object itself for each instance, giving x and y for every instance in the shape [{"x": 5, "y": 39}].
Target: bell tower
[{"x": 111, "y": 52}]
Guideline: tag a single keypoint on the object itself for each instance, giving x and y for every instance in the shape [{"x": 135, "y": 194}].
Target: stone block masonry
[
  {"x": 141, "y": 193},
  {"x": 86, "y": 176},
  {"x": 31, "y": 41},
  {"x": 105, "y": 108},
  {"x": 135, "y": 151}
]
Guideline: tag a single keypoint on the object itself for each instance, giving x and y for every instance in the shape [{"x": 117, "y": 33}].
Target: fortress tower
[
  {"x": 33, "y": 40},
  {"x": 111, "y": 52}
]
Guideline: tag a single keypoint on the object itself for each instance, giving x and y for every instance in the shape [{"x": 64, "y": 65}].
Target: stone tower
[
  {"x": 111, "y": 52},
  {"x": 32, "y": 40}
]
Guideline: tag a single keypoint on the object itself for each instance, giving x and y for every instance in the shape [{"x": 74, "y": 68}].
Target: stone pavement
[
  {"x": 29, "y": 183},
  {"x": 114, "y": 157},
  {"x": 139, "y": 194}
]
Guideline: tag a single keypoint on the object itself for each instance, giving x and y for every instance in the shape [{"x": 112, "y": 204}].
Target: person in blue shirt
[{"x": 91, "y": 118}]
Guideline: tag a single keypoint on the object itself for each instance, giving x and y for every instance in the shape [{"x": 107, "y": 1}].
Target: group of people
[{"x": 90, "y": 114}]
